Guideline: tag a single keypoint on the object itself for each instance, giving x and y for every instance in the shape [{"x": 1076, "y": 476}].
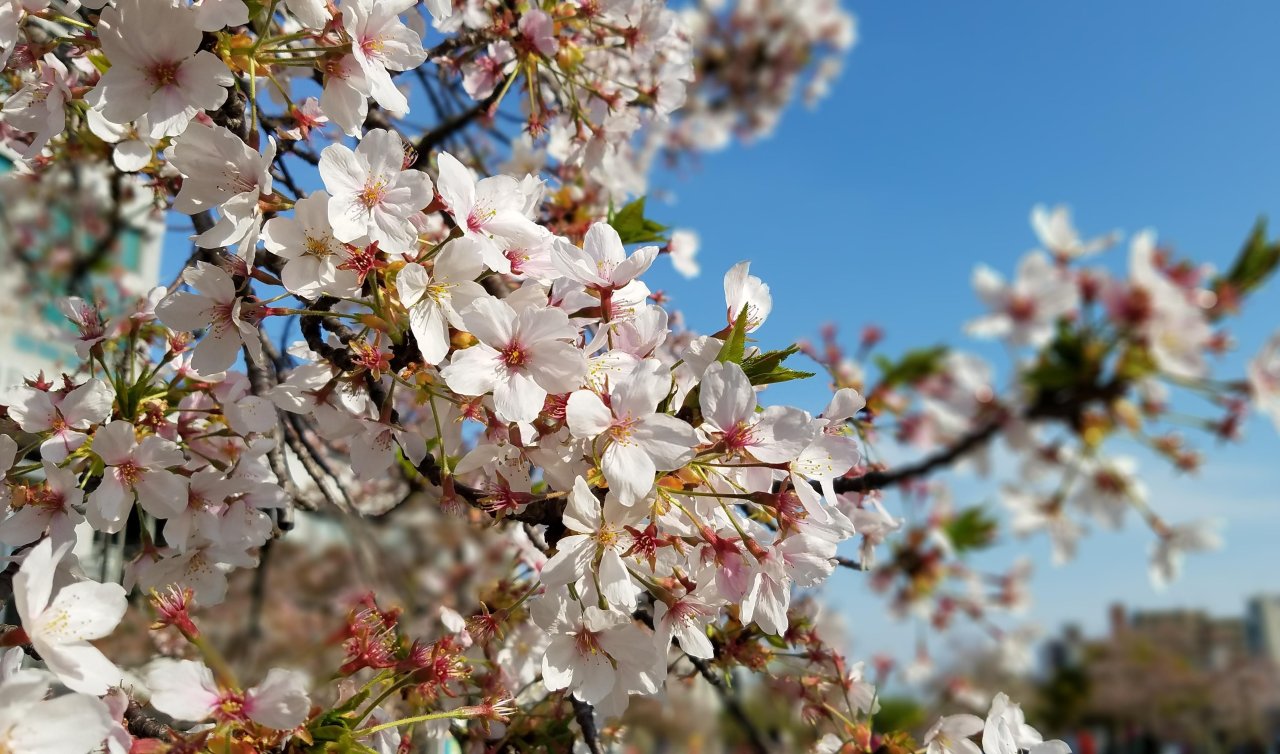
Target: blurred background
[{"x": 949, "y": 123}]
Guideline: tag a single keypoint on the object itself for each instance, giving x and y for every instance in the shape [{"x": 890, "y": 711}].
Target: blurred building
[
  {"x": 1182, "y": 677},
  {"x": 78, "y": 229},
  {"x": 1262, "y": 626}
]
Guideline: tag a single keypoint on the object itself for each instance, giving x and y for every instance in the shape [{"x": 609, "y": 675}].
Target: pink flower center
[
  {"x": 373, "y": 193},
  {"x": 1022, "y": 308},
  {"x": 587, "y": 643},
  {"x": 231, "y": 707},
  {"x": 739, "y": 437},
  {"x": 515, "y": 355},
  {"x": 371, "y": 46},
  {"x": 517, "y": 257},
  {"x": 621, "y": 430},
  {"x": 163, "y": 74},
  {"x": 129, "y": 473}
]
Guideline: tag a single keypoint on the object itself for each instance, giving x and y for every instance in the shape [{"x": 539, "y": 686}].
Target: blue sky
[{"x": 950, "y": 121}]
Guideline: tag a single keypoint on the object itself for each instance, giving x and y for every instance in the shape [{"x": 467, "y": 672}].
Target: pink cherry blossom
[
  {"x": 157, "y": 68},
  {"x": 371, "y": 193},
  {"x": 520, "y": 358},
  {"x": 138, "y": 470}
]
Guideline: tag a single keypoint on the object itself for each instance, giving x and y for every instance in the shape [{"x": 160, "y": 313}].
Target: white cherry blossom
[
  {"x": 436, "y": 299},
  {"x": 637, "y": 440},
  {"x": 138, "y": 470},
  {"x": 602, "y": 262},
  {"x": 520, "y": 358},
  {"x": 61, "y": 625},
  {"x": 371, "y": 192},
  {"x": 306, "y": 241},
  {"x": 215, "y": 308},
  {"x": 157, "y": 68}
]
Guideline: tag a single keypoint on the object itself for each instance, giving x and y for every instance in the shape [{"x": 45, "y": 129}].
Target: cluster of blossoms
[
  {"x": 482, "y": 342},
  {"x": 1101, "y": 360}
]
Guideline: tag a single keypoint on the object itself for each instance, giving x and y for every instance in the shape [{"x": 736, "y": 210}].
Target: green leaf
[
  {"x": 99, "y": 61},
  {"x": 913, "y": 366},
  {"x": 1073, "y": 358},
  {"x": 634, "y": 227},
  {"x": 764, "y": 363},
  {"x": 972, "y": 529},
  {"x": 777, "y": 641},
  {"x": 781, "y": 374},
  {"x": 734, "y": 346},
  {"x": 766, "y": 368},
  {"x": 1256, "y": 262}
]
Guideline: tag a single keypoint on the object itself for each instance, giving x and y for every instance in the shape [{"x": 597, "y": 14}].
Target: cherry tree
[{"x": 415, "y": 313}]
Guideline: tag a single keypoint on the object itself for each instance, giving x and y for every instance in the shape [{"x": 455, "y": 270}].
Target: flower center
[
  {"x": 373, "y": 193},
  {"x": 738, "y": 438},
  {"x": 439, "y": 292},
  {"x": 517, "y": 257},
  {"x": 163, "y": 74},
  {"x": 129, "y": 473},
  {"x": 515, "y": 355},
  {"x": 607, "y": 537},
  {"x": 587, "y": 643},
  {"x": 621, "y": 430},
  {"x": 1022, "y": 308},
  {"x": 230, "y": 707},
  {"x": 318, "y": 247},
  {"x": 476, "y": 220},
  {"x": 371, "y": 46}
]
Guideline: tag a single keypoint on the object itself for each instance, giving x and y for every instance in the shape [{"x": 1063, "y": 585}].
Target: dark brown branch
[
  {"x": 1066, "y": 405},
  {"x": 586, "y": 717},
  {"x": 850, "y": 563},
  {"x": 878, "y": 480},
  {"x": 446, "y": 130}
]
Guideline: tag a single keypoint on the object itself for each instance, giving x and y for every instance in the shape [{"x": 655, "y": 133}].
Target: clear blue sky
[{"x": 950, "y": 121}]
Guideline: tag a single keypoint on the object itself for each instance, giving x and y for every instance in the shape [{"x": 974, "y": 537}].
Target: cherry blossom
[
  {"x": 951, "y": 734},
  {"x": 638, "y": 441},
  {"x": 61, "y": 625},
  {"x": 473, "y": 384},
  {"x": 596, "y": 546},
  {"x": 1264, "y": 379},
  {"x": 1005, "y": 731},
  {"x": 1059, "y": 236},
  {"x": 67, "y": 417},
  {"x": 776, "y": 435},
  {"x": 486, "y": 211},
  {"x": 135, "y": 469},
  {"x": 379, "y": 43},
  {"x": 371, "y": 194},
  {"x": 312, "y": 253},
  {"x": 157, "y": 68},
  {"x": 31, "y": 723},
  {"x": 521, "y": 358},
  {"x": 219, "y": 170},
  {"x": 600, "y": 653},
  {"x": 1025, "y": 311},
  {"x": 52, "y": 507},
  {"x": 436, "y": 299},
  {"x": 38, "y": 106},
  {"x": 745, "y": 291},
  {"x": 186, "y": 689},
  {"x": 215, "y": 308},
  {"x": 1175, "y": 541},
  {"x": 602, "y": 263}
]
